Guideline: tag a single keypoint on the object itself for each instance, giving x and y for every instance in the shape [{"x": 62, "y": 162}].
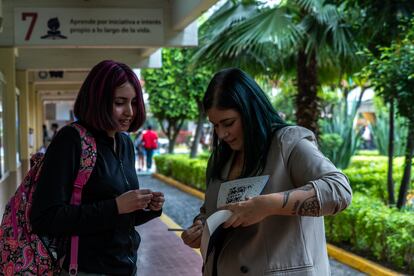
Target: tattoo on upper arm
[
  {"x": 309, "y": 207},
  {"x": 285, "y": 198}
]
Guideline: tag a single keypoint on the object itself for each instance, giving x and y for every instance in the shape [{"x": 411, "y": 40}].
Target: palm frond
[
  {"x": 269, "y": 26},
  {"x": 327, "y": 14},
  {"x": 326, "y": 28},
  {"x": 271, "y": 39},
  {"x": 228, "y": 15},
  {"x": 310, "y": 5}
]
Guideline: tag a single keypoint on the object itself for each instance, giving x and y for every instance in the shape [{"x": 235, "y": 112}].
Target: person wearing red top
[{"x": 150, "y": 140}]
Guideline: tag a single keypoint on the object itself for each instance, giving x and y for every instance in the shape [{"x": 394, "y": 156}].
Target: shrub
[
  {"x": 330, "y": 144},
  {"x": 180, "y": 167},
  {"x": 381, "y": 128},
  {"x": 341, "y": 123},
  {"x": 370, "y": 226},
  {"x": 368, "y": 174}
]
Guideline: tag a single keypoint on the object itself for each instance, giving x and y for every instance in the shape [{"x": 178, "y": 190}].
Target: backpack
[{"x": 24, "y": 252}]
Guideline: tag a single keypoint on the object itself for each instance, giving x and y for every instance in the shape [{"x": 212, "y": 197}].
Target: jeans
[{"x": 149, "y": 154}]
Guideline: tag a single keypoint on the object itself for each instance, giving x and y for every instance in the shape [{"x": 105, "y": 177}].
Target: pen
[{"x": 176, "y": 229}]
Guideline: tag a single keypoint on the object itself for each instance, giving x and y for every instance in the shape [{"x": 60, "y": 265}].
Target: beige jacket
[{"x": 284, "y": 245}]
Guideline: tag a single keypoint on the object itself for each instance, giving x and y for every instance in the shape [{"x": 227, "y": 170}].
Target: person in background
[
  {"x": 54, "y": 129},
  {"x": 139, "y": 149},
  {"x": 45, "y": 136},
  {"x": 109, "y": 103},
  {"x": 281, "y": 231},
  {"x": 150, "y": 140},
  {"x": 367, "y": 138}
]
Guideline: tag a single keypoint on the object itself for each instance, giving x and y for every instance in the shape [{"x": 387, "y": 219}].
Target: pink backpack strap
[{"x": 87, "y": 162}]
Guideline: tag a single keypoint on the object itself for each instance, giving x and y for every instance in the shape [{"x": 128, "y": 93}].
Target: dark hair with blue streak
[{"x": 234, "y": 89}]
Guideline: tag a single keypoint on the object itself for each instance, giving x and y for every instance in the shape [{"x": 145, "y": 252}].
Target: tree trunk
[
  {"x": 174, "y": 131},
  {"x": 197, "y": 136},
  {"x": 307, "y": 107},
  {"x": 405, "y": 182},
  {"x": 171, "y": 130},
  {"x": 390, "y": 182}
]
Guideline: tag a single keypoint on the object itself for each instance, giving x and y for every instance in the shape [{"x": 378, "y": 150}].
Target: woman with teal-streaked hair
[{"x": 281, "y": 231}]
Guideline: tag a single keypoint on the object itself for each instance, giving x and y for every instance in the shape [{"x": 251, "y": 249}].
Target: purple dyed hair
[{"x": 94, "y": 102}]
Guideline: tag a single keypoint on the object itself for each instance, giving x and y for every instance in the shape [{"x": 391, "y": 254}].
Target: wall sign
[{"x": 88, "y": 27}]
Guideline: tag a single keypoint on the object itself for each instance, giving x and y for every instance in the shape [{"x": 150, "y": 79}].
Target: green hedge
[
  {"x": 368, "y": 175},
  {"x": 188, "y": 171},
  {"x": 367, "y": 225},
  {"x": 370, "y": 226}
]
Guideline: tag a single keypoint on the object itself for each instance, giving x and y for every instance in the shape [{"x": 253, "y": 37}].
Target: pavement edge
[
  {"x": 179, "y": 185},
  {"x": 337, "y": 253},
  {"x": 172, "y": 224},
  {"x": 358, "y": 262}
]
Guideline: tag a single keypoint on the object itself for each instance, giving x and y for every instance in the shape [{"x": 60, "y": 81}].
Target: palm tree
[
  {"x": 379, "y": 23},
  {"x": 309, "y": 38}
]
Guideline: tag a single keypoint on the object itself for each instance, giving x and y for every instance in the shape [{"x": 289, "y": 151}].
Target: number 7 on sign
[{"x": 33, "y": 15}]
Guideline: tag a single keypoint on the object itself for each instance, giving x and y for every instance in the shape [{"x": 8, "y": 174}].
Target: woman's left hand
[
  {"x": 157, "y": 201},
  {"x": 248, "y": 212}
]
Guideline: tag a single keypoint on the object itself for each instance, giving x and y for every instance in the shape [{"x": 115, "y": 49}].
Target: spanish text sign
[{"x": 88, "y": 27}]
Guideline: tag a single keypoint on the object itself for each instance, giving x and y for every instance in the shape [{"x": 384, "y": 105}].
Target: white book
[{"x": 230, "y": 192}]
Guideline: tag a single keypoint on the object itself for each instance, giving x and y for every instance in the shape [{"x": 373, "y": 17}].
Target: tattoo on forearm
[
  {"x": 306, "y": 203},
  {"x": 295, "y": 207},
  {"x": 309, "y": 207},
  {"x": 285, "y": 198}
]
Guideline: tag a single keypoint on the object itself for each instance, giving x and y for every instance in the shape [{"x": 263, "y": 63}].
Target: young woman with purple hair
[{"x": 109, "y": 103}]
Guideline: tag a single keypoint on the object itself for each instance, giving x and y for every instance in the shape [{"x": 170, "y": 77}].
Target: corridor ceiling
[{"x": 70, "y": 36}]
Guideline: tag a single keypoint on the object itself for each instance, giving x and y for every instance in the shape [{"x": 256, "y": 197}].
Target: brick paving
[{"x": 162, "y": 253}]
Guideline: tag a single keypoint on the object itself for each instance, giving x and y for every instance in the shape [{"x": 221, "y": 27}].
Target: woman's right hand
[
  {"x": 133, "y": 200},
  {"x": 192, "y": 236}
]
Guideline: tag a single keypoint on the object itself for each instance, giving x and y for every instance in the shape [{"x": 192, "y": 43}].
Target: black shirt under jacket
[{"x": 108, "y": 242}]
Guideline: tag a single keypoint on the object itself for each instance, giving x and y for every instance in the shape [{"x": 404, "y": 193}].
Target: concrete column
[
  {"x": 8, "y": 67},
  {"x": 39, "y": 120},
  {"x": 32, "y": 117},
  {"x": 22, "y": 84}
]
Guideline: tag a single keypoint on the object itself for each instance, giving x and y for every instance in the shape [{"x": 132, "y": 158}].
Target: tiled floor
[{"x": 163, "y": 253}]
